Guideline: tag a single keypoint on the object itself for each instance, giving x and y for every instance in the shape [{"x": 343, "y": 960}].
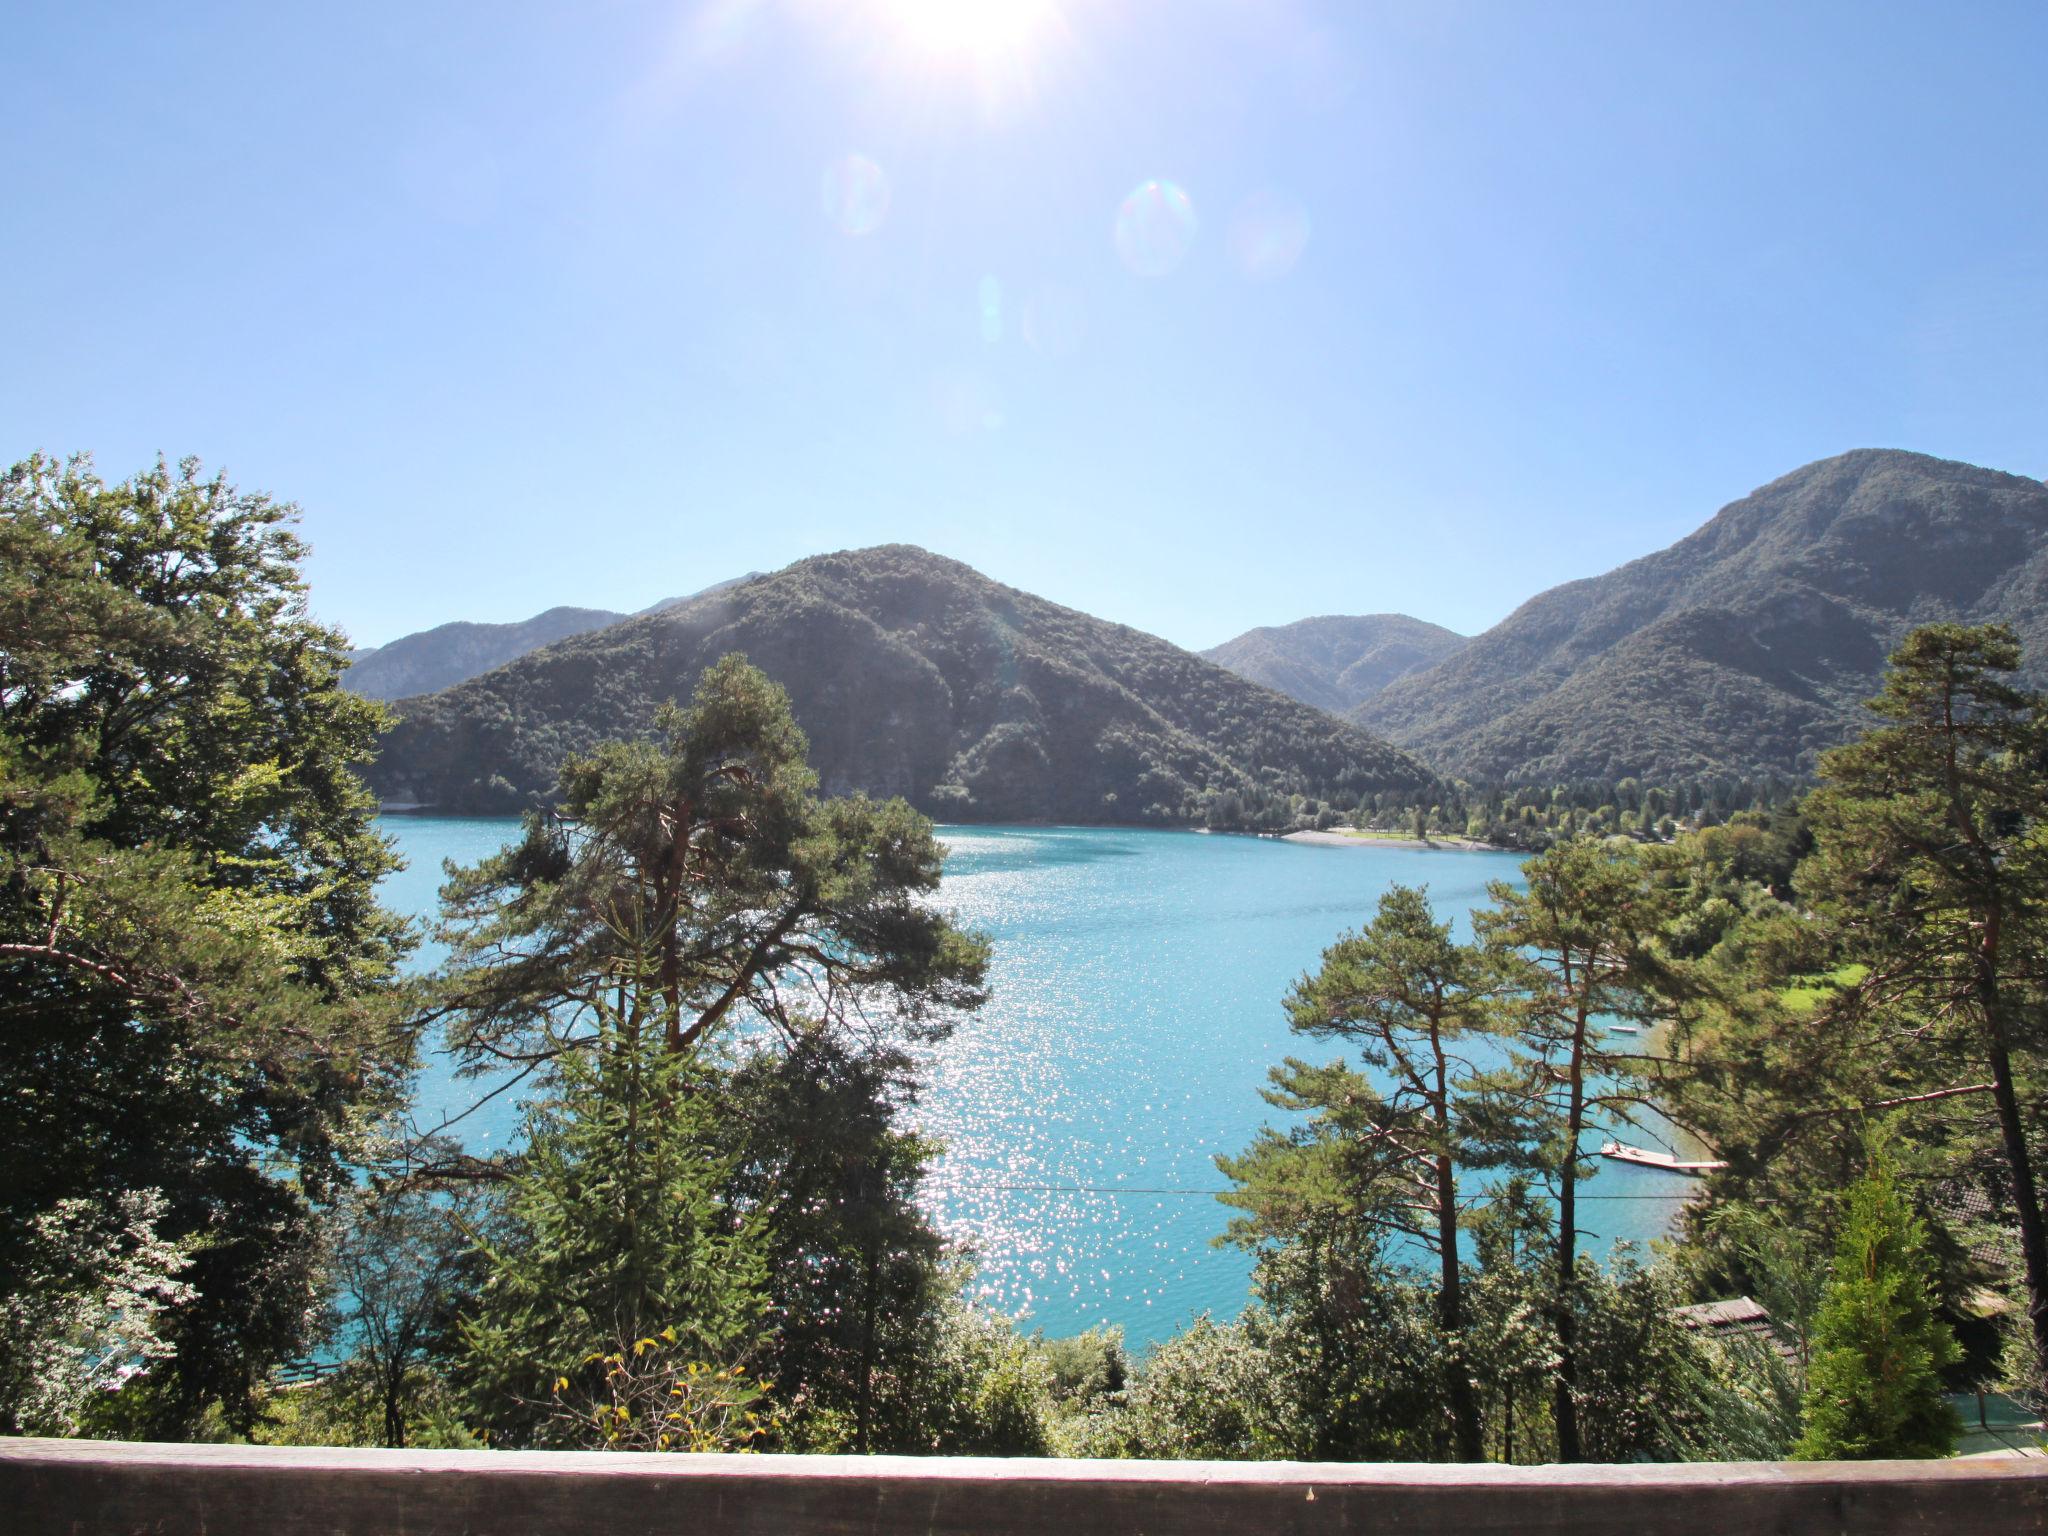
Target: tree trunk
[
  {"x": 2033, "y": 1244},
  {"x": 1451, "y": 1315},
  {"x": 1567, "y": 1402}
]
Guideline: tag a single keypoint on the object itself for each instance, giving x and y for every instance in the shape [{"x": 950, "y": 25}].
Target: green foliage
[
  {"x": 653, "y": 1396},
  {"x": 702, "y": 871},
  {"x": 1410, "y": 1001},
  {"x": 1206, "y": 1393},
  {"x": 1646, "y": 1389},
  {"x": 347, "y": 1407},
  {"x": 87, "y": 1312},
  {"x": 857, "y": 1277},
  {"x": 1874, "y": 1389},
  {"x": 1356, "y": 1358},
  {"x": 614, "y": 1229},
  {"x": 194, "y": 973},
  {"x": 913, "y": 676},
  {"x": 1931, "y": 868},
  {"x": 711, "y": 958},
  {"x": 987, "y": 1391},
  {"x": 1582, "y": 941},
  {"x": 1533, "y": 815}
]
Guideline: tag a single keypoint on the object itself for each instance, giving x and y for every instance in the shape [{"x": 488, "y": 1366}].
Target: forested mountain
[
  {"x": 447, "y": 654},
  {"x": 916, "y": 676},
  {"x": 441, "y": 657},
  {"x": 1338, "y": 662},
  {"x": 1744, "y": 648}
]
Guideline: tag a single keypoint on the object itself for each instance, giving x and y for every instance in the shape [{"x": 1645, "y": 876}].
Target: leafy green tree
[
  {"x": 1932, "y": 864},
  {"x": 1205, "y": 1394},
  {"x": 1511, "y": 1335},
  {"x": 1874, "y": 1387},
  {"x": 89, "y": 1312},
  {"x": 1650, "y": 1390},
  {"x": 404, "y": 1264},
  {"x": 194, "y": 972},
  {"x": 1354, "y": 1362},
  {"x": 1413, "y": 1003}
]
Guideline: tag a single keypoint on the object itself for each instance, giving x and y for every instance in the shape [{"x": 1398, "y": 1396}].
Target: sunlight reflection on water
[{"x": 1137, "y": 983}]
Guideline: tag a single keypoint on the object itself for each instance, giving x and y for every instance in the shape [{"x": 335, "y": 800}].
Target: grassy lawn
[{"x": 1807, "y": 996}]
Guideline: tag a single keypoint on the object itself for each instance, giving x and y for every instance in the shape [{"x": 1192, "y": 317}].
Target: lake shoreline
[{"x": 1434, "y": 845}]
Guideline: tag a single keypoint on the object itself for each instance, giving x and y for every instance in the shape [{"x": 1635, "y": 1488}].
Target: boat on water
[{"x": 1621, "y": 1152}]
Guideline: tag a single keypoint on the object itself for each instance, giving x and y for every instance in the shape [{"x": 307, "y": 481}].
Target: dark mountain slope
[
  {"x": 1335, "y": 663},
  {"x": 1746, "y": 647},
  {"x": 447, "y": 654},
  {"x": 913, "y": 675}
]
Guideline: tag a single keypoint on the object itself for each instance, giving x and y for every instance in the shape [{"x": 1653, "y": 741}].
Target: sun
[{"x": 982, "y": 31}]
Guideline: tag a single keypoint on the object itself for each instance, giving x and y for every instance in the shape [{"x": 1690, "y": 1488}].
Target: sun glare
[{"x": 984, "y": 31}]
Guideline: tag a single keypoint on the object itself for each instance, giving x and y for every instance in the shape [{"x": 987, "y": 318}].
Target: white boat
[{"x": 1621, "y": 1152}]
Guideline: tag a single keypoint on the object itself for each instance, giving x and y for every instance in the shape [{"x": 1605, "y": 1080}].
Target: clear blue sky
[{"x": 591, "y": 303}]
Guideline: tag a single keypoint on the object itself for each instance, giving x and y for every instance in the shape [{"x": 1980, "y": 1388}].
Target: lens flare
[
  {"x": 1268, "y": 233},
  {"x": 1154, "y": 228},
  {"x": 854, "y": 195}
]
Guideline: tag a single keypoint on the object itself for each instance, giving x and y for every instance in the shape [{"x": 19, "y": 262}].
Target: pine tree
[
  {"x": 1933, "y": 866},
  {"x": 614, "y": 1238},
  {"x": 1874, "y": 1387},
  {"x": 1582, "y": 938},
  {"x": 1410, "y": 1000}
]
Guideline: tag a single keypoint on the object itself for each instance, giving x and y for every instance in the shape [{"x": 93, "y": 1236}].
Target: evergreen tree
[
  {"x": 704, "y": 858},
  {"x": 615, "y": 1242},
  {"x": 1874, "y": 1385},
  {"x": 1410, "y": 1000},
  {"x": 721, "y": 970},
  {"x": 1932, "y": 865},
  {"x": 1581, "y": 942},
  {"x": 858, "y": 1282}
]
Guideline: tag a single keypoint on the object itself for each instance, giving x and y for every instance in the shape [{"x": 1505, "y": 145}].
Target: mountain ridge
[
  {"x": 1748, "y": 645},
  {"x": 913, "y": 675},
  {"x": 1335, "y": 661},
  {"x": 429, "y": 660}
]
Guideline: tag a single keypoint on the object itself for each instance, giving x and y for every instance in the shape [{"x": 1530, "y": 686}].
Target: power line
[{"x": 1125, "y": 1189}]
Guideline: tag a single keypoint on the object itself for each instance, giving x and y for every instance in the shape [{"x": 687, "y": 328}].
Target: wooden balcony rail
[{"x": 208, "y": 1490}]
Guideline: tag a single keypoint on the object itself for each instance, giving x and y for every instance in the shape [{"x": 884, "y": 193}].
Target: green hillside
[
  {"x": 916, "y": 676},
  {"x": 1745, "y": 648}
]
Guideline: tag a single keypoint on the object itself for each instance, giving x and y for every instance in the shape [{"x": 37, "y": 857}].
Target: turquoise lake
[{"x": 1137, "y": 983}]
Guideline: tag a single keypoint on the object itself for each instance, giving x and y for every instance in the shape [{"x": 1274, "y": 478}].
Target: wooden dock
[{"x": 1621, "y": 1152}]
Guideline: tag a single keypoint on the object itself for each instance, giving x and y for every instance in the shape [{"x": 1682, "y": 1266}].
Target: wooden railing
[{"x": 180, "y": 1490}]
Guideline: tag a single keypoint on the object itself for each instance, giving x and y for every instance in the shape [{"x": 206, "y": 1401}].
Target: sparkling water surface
[{"x": 1136, "y": 1009}]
